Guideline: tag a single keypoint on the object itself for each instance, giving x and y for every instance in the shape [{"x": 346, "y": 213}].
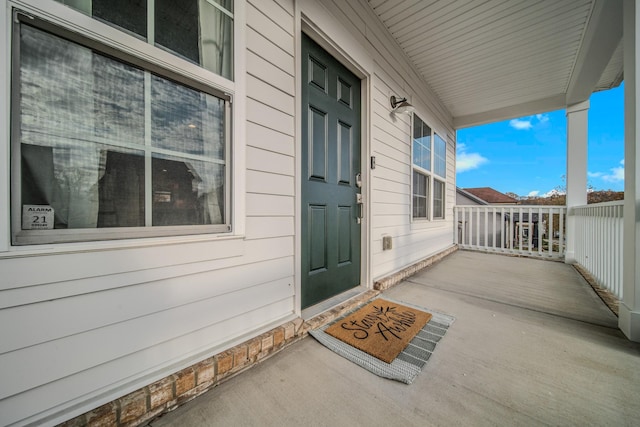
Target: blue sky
[{"x": 528, "y": 155}]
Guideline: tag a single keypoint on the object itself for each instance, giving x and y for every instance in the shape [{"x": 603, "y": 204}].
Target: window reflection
[
  {"x": 84, "y": 148},
  {"x": 440, "y": 156},
  {"x": 186, "y": 120},
  {"x": 130, "y": 15},
  {"x": 187, "y": 192},
  {"x": 421, "y": 144}
]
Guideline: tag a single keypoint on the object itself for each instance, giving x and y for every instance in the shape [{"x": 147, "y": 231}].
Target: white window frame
[
  {"x": 432, "y": 177},
  {"x": 122, "y": 45}
]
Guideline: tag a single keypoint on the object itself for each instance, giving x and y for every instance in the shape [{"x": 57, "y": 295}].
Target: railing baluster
[
  {"x": 493, "y": 228},
  {"x": 478, "y": 227},
  {"x": 470, "y": 227},
  {"x": 540, "y": 229},
  {"x": 563, "y": 212},
  {"x": 511, "y": 231},
  {"x": 486, "y": 229},
  {"x": 502, "y": 230}
]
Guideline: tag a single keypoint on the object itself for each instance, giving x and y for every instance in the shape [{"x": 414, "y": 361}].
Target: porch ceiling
[{"x": 491, "y": 60}]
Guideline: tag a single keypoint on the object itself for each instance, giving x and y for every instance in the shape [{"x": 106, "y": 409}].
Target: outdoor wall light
[{"x": 401, "y": 106}]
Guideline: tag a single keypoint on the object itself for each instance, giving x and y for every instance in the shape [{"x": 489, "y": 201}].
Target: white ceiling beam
[
  {"x": 552, "y": 103},
  {"x": 602, "y": 36}
]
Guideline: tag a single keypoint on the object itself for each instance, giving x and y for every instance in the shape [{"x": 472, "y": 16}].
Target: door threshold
[{"x": 328, "y": 304}]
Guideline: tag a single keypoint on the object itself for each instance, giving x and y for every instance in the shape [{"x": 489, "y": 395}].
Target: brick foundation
[{"x": 168, "y": 393}]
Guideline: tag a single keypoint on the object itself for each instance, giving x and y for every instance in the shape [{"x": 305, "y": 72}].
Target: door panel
[
  {"x": 318, "y": 144},
  {"x": 317, "y": 239},
  {"x": 330, "y": 161}
]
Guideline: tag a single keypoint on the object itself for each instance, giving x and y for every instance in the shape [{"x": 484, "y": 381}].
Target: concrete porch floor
[{"x": 532, "y": 344}]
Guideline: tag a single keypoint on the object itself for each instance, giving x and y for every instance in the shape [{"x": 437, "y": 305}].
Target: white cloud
[
  {"x": 542, "y": 118},
  {"x": 467, "y": 161},
  {"x": 533, "y": 193},
  {"x": 520, "y": 124},
  {"x": 553, "y": 192},
  {"x": 615, "y": 174},
  {"x": 526, "y": 123}
]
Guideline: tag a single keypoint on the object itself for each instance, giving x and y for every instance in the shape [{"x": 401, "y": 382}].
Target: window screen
[{"x": 104, "y": 144}]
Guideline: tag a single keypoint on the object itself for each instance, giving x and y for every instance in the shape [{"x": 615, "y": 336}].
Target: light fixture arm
[
  {"x": 396, "y": 101},
  {"x": 400, "y": 105}
]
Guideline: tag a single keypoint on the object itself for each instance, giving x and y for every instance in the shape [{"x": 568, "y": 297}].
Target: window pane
[
  {"x": 187, "y": 192},
  {"x": 130, "y": 15},
  {"x": 186, "y": 120},
  {"x": 198, "y": 31},
  {"x": 438, "y": 199},
  {"x": 75, "y": 105},
  {"x": 421, "y": 144},
  {"x": 69, "y": 93},
  {"x": 440, "y": 156},
  {"x": 217, "y": 39},
  {"x": 177, "y": 27},
  {"x": 122, "y": 190},
  {"x": 87, "y": 186},
  {"x": 420, "y": 195}
]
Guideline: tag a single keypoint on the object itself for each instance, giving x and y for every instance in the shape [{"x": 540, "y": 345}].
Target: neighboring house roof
[
  {"x": 470, "y": 196},
  {"x": 489, "y": 195}
]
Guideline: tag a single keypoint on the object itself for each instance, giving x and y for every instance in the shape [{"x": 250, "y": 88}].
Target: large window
[
  {"x": 109, "y": 146},
  {"x": 429, "y": 155}
]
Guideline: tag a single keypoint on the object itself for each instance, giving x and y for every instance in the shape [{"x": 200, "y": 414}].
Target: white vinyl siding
[{"x": 110, "y": 317}]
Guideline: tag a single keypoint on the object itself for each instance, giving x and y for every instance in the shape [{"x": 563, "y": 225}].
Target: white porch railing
[
  {"x": 599, "y": 235},
  {"x": 523, "y": 230}
]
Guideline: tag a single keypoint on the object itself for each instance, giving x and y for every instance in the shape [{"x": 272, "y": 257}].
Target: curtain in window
[
  {"x": 73, "y": 102},
  {"x": 216, "y": 38}
]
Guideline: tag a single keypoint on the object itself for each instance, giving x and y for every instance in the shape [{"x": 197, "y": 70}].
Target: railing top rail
[
  {"x": 514, "y": 206},
  {"x": 595, "y": 205}
]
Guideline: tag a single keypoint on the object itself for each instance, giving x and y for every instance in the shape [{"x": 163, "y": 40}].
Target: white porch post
[
  {"x": 629, "y": 310},
  {"x": 577, "y": 124}
]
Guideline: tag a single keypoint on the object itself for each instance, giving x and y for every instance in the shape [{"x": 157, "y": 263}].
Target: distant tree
[
  {"x": 562, "y": 188},
  {"x": 601, "y": 196},
  {"x": 595, "y": 196},
  {"x": 556, "y": 199},
  {"x": 513, "y": 195},
  {"x": 560, "y": 199}
]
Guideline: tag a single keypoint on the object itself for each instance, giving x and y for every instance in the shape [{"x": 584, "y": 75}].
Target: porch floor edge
[{"x": 397, "y": 277}]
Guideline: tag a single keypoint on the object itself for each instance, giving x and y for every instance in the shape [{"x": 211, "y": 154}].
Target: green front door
[{"x": 330, "y": 167}]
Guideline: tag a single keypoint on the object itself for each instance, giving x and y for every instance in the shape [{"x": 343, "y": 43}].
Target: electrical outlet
[{"x": 387, "y": 243}]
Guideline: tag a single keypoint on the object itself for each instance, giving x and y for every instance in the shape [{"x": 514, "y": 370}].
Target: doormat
[
  {"x": 409, "y": 363},
  {"x": 381, "y": 328}
]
